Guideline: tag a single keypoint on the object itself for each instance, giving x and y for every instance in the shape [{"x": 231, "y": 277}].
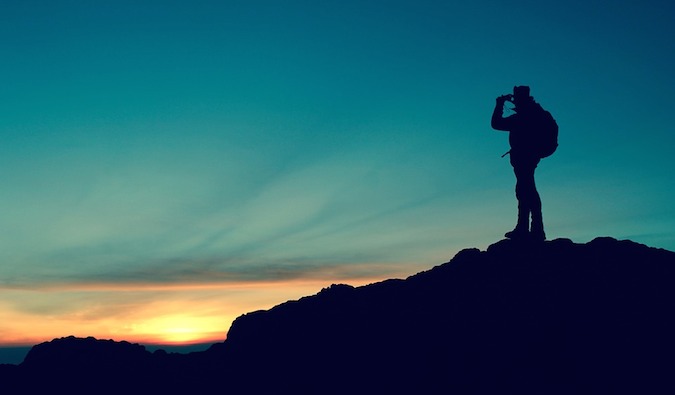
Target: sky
[{"x": 167, "y": 166}]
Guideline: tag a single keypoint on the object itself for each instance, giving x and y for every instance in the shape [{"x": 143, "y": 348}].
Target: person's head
[{"x": 521, "y": 95}]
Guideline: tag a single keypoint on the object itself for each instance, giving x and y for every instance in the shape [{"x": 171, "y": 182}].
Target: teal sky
[{"x": 172, "y": 142}]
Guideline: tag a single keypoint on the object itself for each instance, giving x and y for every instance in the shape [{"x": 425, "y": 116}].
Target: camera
[{"x": 505, "y": 98}]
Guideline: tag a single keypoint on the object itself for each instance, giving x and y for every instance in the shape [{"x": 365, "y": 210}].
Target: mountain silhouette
[{"x": 554, "y": 317}]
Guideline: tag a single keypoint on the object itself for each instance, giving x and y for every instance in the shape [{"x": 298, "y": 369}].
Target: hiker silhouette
[{"x": 529, "y": 129}]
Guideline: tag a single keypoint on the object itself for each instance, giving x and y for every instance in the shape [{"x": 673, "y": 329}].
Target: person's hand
[{"x": 503, "y": 98}]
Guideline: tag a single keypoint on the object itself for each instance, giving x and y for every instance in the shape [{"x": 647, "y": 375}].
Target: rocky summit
[{"x": 553, "y": 317}]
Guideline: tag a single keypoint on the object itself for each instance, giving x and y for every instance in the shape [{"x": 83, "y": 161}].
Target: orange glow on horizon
[{"x": 150, "y": 314}]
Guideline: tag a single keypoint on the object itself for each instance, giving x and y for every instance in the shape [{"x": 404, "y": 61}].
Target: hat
[{"x": 521, "y": 92}]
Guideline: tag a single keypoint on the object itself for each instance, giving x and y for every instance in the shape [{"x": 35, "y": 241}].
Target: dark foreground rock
[{"x": 547, "y": 318}]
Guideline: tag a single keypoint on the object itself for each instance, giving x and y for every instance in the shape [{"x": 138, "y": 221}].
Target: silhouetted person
[{"x": 523, "y": 129}]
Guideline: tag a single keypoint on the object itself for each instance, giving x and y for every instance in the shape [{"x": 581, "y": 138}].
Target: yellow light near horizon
[
  {"x": 179, "y": 329},
  {"x": 172, "y": 314},
  {"x": 180, "y": 335}
]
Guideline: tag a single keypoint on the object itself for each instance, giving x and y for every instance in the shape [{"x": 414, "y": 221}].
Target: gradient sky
[{"x": 169, "y": 165}]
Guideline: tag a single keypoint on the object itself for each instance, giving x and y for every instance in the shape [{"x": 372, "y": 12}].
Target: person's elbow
[{"x": 498, "y": 125}]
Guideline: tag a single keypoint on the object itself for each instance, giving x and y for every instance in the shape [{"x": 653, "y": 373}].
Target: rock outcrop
[{"x": 546, "y": 318}]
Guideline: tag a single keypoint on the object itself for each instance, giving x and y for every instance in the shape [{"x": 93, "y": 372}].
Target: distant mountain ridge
[{"x": 546, "y": 318}]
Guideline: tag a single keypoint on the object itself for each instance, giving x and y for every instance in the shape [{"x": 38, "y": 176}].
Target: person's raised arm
[{"x": 499, "y": 122}]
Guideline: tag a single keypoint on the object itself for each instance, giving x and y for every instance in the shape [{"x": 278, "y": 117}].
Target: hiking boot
[
  {"x": 518, "y": 233},
  {"x": 537, "y": 228},
  {"x": 522, "y": 228},
  {"x": 537, "y": 235}
]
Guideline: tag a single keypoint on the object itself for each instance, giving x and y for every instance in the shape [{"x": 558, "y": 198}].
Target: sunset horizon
[
  {"x": 170, "y": 166},
  {"x": 174, "y": 322}
]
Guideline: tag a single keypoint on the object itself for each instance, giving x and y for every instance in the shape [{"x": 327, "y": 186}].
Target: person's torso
[{"x": 522, "y": 133}]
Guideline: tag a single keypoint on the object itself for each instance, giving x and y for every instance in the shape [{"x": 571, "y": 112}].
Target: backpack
[{"x": 546, "y": 141}]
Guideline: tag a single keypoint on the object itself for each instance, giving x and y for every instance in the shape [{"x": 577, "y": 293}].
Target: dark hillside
[
  {"x": 548, "y": 318},
  {"x": 556, "y": 317}
]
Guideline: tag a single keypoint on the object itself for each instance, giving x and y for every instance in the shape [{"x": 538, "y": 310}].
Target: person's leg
[
  {"x": 522, "y": 228},
  {"x": 537, "y": 228},
  {"x": 529, "y": 201},
  {"x": 534, "y": 202}
]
